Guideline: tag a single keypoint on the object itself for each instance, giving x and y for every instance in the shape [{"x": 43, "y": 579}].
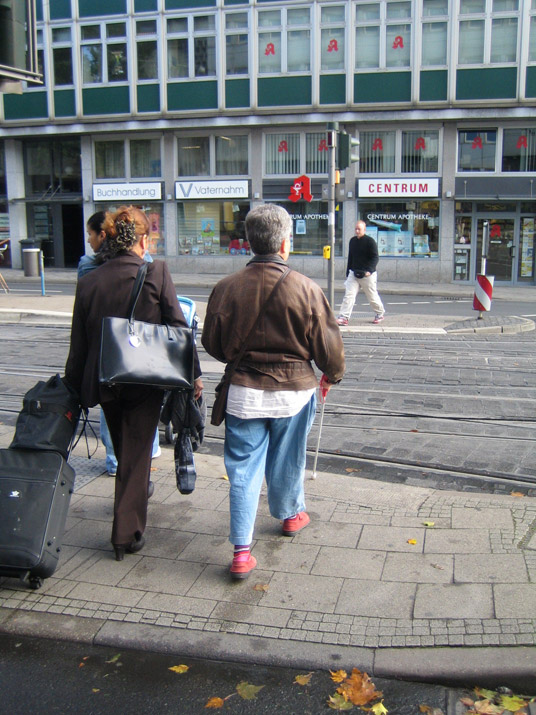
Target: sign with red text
[{"x": 398, "y": 188}]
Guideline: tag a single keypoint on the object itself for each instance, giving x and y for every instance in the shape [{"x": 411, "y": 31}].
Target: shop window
[
  {"x": 147, "y": 49},
  {"x": 110, "y": 159},
  {"x": 310, "y": 227},
  {"x": 282, "y": 154},
  {"x": 191, "y": 46},
  {"x": 145, "y": 158},
  {"x": 62, "y": 56},
  {"x": 383, "y": 34},
  {"x": 377, "y": 152},
  {"x": 434, "y": 33},
  {"x": 236, "y": 43},
  {"x": 194, "y": 156},
  {"x": 403, "y": 229},
  {"x": 532, "y": 35},
  {"x": 526, "y": 248},
  {"x": 332, "y": 37},
  {"x": 316, "y": 153},
  {"x": 284, "y": 40},
  {"x": 212, "y": 227},
  {"x": 519, "y": 150},
  {"x": 104, "y": 53},
  {"x": 232, "y": 155},
  {"x": 488, "y": 32},
  {"x": 420, "y": 152},
  {"x": 53, "y": 167},
  {"x": 476, "y": 150}
]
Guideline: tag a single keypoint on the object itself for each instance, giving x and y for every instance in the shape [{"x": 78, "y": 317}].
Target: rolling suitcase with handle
[{"x": 35, "y": 492}]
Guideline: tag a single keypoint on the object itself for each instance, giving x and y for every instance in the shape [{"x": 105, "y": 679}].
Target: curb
[{"x": 514, "y": 667}]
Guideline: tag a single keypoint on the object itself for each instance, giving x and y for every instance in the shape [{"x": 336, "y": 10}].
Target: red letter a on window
[
  {"x": 378, "y": 145},
  {"x": 522, "y": 142}
]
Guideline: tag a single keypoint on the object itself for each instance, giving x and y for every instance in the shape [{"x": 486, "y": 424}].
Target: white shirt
[{"x": 248, "y": 403}]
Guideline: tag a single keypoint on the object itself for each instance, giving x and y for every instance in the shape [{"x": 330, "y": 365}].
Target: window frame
[
  {"x": 383, "y": 22},
  {"x": 141, "y": 38},
  {"x": 128, "y": 177},
  {"x": 105, "y": 42},
  {"x": 191, "y": 35},
  {"x": 236, "y": 31},
  {"x": 487, "y": 16},
  {"x": 284, "y": 29}
]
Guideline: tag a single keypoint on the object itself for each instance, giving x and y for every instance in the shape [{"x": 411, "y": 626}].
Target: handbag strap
[
  {"x": 230, "y": 369},
  {"x": 136, "y": 290}
]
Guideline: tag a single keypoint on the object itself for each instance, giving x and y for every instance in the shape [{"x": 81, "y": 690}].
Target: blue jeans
[
  {"x": 274, "y": 448},
  {"x": 111, "y": 461}
]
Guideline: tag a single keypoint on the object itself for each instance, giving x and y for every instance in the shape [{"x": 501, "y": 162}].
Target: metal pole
[
  {"x": 332, "y": 147},
  {"x": 485, "y": 244},
  {"x": 42, "y": 271},
  {"x": 313, "y": 475}
]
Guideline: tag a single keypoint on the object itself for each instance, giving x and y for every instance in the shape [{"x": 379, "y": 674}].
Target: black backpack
[{"x": 49, "y": 417}]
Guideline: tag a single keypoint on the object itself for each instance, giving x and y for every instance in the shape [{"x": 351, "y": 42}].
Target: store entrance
[
  {"x": 501, "y": 252},
  {"x": 59, "y": 229}
]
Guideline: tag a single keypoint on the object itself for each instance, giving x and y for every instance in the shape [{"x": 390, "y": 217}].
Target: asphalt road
[{"x": 43, "y": 677}]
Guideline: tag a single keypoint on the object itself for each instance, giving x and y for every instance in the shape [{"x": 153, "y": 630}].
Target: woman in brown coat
[{"x": 132, "y": 411}]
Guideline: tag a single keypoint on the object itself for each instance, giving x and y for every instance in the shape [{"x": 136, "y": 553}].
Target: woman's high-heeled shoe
[{"x": 132, "y": 548}]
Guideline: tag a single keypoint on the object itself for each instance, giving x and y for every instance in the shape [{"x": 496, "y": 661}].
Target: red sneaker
[
  {"x": 292, "y": 526},
  {"x": 242, "y": 565}
]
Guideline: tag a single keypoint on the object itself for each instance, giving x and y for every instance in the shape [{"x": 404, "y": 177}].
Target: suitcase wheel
[
  {"x": 35, "y": 582},
  {"x": 169, "y": 433}
]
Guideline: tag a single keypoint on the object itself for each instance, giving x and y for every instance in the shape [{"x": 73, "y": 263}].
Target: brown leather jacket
[{"x": 297, "y": 327}]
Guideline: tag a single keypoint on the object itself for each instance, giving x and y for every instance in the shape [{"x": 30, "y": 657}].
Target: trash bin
[{"x": 30, "y": 261}]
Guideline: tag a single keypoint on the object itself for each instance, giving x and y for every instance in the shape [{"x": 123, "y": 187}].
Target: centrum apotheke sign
[
  {"x": 398, "y": 188},
  {"x": 149, "y": 191},
  {"x": 211, "y": 189}
]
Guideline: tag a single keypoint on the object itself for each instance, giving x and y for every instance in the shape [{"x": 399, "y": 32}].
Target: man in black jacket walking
[{"x": 361, "y": 273}]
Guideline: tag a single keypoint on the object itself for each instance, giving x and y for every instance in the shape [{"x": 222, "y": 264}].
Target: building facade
[{"x": 197, "y": 110}]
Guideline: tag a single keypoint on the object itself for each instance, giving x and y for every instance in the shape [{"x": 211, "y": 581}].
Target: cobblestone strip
[{"x": 307, "y": 626}]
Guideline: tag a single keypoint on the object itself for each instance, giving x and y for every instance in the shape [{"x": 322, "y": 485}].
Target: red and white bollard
[{"x": 483, "y": 292}]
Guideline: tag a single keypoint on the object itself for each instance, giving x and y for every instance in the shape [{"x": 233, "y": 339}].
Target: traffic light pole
[{"x": 332, "y": 147}]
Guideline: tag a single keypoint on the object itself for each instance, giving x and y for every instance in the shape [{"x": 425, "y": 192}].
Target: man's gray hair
[{"x": 267, "y": 226}]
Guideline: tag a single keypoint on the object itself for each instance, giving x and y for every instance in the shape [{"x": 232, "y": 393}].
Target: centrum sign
[
  {"x": 211, "y": 189},
  {"x": 385, "y": 188},
  {"x": 128, "y": 192}
]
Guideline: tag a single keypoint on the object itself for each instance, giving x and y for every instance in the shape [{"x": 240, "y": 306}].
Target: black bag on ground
[
  {"x": 35, "y": 492},
  {"x": 49, "y": 417}
]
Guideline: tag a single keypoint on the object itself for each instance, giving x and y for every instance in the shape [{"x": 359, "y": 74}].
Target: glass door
[{"x": 501, "y": 249}]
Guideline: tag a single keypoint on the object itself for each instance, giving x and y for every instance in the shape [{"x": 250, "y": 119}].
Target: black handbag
[
  {"x": 49, "y": 417},
  {"x": 222, "y": 388},
  {"x": 138, "y": 353}
]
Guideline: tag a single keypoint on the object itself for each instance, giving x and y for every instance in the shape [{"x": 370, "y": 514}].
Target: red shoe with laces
[
  {"x": 297, "y": 523},
  {"x": 243, "y": 564}
]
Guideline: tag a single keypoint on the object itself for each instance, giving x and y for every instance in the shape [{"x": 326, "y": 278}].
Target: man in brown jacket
[{"x": 272, "y": 396}]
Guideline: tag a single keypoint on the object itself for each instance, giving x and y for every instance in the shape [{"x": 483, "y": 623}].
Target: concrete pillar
[{"x": 18, "y": 227}]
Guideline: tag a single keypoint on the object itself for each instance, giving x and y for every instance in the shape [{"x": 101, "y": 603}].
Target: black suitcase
[{"x": 35, "y": 492}]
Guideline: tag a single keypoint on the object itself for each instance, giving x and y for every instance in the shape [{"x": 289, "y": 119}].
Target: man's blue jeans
[
  {"x": 274, "y": 448},
  {"x": 111, "y": 461}
]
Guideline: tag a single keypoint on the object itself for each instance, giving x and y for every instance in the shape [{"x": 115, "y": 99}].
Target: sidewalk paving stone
[
  {"x": 454, "y": 601},
  {"x": 376, "y": 598},
  {"x": 515, "y": 600},
  {"x": 419, "y": 568},
  {"x": 489, "y": 568},
  {"x": 333, "y": 561}
]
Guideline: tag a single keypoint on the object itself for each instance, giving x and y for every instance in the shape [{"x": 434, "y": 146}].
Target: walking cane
[{"x": 323, "y": 396}]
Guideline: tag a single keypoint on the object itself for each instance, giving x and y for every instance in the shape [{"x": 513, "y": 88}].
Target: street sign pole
[{"x": 332, "y": 147}]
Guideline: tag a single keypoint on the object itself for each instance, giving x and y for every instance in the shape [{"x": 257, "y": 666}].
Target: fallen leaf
[
  {"x": 351, "y": 469},
  {"x": 214, "y": 703},
  {"x": 95, "y": 690},
  {"x": 114, "y": 658},
  {"x": 517, "y": 494},
  {"x": 412, "y": 541},
  {"x": 379, "y": 709},
  {"x": 337, "y": 702},
  {"x": 467, "y": 701},
  {"x": 358, "y": 688},
  {"x": 224, "y": 476},
  {"x": 488, "y": 694},
  {"x": 437, "y": 566},
  {"x": 486, "y": 707},
  {"x": 513, "y": 703},
  {"x": 247, "y": 690},
  {"x": 260, "y": 587},
  {"x": 338, "y": 675},
  {"x": 303, "y": 679},
  {"x": 414, "y": 430},
  {"x": 179, "y": 668},
  {"x": 430, "y": 711},
  {"x": 429, "y": 523}
]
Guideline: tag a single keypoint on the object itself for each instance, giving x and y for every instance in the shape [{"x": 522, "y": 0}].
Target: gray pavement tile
[
  {"x": 376, "y": 599},
  {"x": 57, "y": 587},
  {"x": 454, "y": 601},
  {"x": 481, "y": 518},
  {"x": 208, "y": 549},
  {"x": 242, "y": 613},
  {"x": 183, "y": 605},
  {"x": 329, "y": 534},
  {"x": 490, "y": 568},
  {"x": 215, "y": 583},
  {"x": 166, "y": 516},
  {"x": 165, "y": 543},
  {"x": 391, "y": 538},
  {"x": 285, "y": 555},
  {"x": 418, "y": 568},
  {"x": 161, "y": 575},
  {"x": 70, "y": 559},
  {"x": 97, "y": 594},
  {"x": 417, "y": 521},
  {"x": 457, "y": 541},
  {"x": 101, "y": 487},
  {"x": 102, "y": 568},
  {"x": 91, "y": 507},
  {"x": 90, "y": 534},
  {"x": 358, "y": 517},
  {"x": 206, "y": 499},
  {"x": 302, "y": 592},
  {"x": 349, "y": 563},
  {"x": 204, "y": 521},
  {"x": 515, "y": 600}
]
